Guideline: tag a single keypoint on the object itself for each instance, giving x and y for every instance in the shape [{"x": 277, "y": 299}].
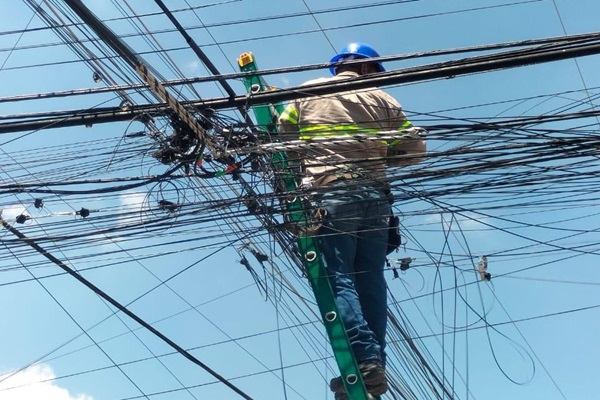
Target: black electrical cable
[
  {"x": 226, "y": 23},
  {"x": 465, "y": 66},
  {"x": 575, "y": 39},
  {"x": 205, "y": 60},
  {"x": 121, "y": 308}
]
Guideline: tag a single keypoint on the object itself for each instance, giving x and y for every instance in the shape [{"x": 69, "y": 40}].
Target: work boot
[{"x": 373, "y": 376}]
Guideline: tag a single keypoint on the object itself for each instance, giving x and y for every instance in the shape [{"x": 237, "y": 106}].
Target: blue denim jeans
[{"x": 353, "y": 241}]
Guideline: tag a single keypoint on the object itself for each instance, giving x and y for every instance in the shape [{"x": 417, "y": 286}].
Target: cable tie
[{"x": 482, "y": 266}]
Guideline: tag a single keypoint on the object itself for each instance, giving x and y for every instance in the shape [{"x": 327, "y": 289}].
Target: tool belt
[
  {"x": 394, "y": 237},
  {"x": 316, "y": 218}
]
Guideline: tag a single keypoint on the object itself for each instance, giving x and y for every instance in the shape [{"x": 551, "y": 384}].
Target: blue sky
[{"x": 213, "y": 299}]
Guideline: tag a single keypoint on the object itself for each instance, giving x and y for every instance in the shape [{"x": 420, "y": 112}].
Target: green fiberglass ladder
[{"x": 266, "y": 116}]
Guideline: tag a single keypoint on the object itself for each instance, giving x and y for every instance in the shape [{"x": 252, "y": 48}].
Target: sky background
[{"x": 272, "y": 346}]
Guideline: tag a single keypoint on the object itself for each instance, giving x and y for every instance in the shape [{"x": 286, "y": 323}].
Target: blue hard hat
[{"x": 355, "y": 51}]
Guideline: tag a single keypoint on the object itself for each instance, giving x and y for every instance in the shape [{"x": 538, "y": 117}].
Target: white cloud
[
  {"x": 36, "y": 382},
  {"x": 466, "y": 221},
  {"x": 134, "y": 200},
  {"x": 193, "y": 67},
  {"x": 11, "y": 212}
]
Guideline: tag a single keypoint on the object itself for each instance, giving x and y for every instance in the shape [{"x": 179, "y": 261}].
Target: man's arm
[
  {"x": 288, "y": 120},
  {"x": 406, "y": 149}
]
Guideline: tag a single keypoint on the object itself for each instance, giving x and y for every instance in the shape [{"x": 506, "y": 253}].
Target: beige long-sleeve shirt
[{"x": 341, "y": 114}]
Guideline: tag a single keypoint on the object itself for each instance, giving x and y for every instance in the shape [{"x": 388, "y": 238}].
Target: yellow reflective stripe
[
  {"x": 337, "y": 128},
  {"x": 333, "y": 131},
  {"x": 290, "y": 114},
  {"x": 314, "y": 131},
  {"x": 407, "y": 124}
]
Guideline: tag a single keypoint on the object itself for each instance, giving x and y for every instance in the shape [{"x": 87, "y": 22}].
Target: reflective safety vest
[{"x": 365, "y": 111}]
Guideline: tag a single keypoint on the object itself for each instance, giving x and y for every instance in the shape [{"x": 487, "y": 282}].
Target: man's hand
[{"x": 406, "y": 150}]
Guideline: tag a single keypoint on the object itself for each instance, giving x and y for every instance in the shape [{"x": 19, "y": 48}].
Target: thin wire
[
  {"x": 81, "y": 328},
  {"x": 123, "y": 309},
  {"x": 17, "y": 42}
]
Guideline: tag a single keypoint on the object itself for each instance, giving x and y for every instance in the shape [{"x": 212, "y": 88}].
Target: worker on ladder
[{"x": 352, "y": 198}]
